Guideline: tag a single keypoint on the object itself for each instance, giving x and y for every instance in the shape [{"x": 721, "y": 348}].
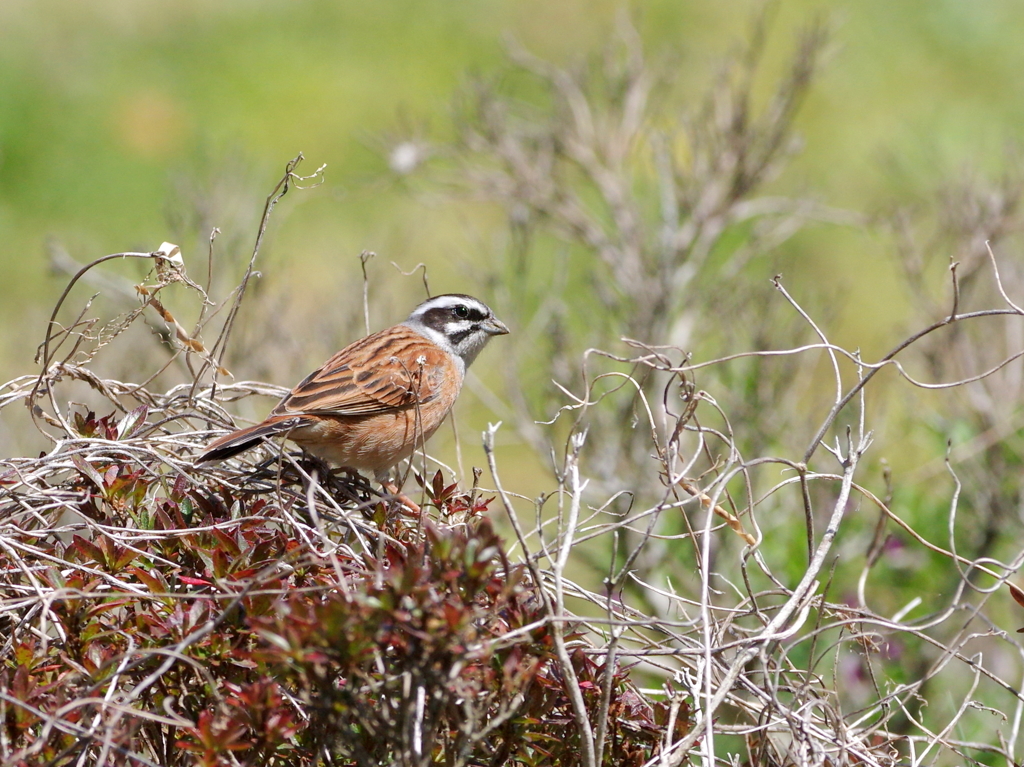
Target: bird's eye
[{"x": 461, "y": 311}]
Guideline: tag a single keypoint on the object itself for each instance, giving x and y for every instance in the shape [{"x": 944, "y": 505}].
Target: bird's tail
[{"x": 243, "y": 439}]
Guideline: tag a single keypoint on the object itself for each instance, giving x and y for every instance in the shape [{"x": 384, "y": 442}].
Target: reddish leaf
[
  {"x": 133, "y": 422},
  {"x": 1017, "y": 593},
  {"x": 194, "y": 581},
  {"x": 87, "y": 549},
  {"x": 228, "y": 542},
  {"x": 154, "y": 582},
  {"x": 88, "y": 471}
]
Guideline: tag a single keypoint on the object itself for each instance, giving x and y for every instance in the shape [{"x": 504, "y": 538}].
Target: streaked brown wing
[{"x": 384, "y": 372}]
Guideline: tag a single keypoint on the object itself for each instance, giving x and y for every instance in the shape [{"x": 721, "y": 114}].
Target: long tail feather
[{"x": 239, "y": 441}]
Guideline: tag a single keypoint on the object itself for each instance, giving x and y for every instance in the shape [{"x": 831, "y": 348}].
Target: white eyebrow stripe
[{"x": 447, "y": 302}]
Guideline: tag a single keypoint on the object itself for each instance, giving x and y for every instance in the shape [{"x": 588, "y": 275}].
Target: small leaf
[
  {"x": 88, "y": 471},
  {"x": 194, "y": 581},
  {"x": 1017, "y": 593},
  {"x": 186, "y": 510},
  {"x": 132, "y": 422},
  {"x": 154, "y": 582},
  {"x": 229, "y": 543},
  {"x": 124, "y": 556},
  {"x": 25, "y": 653},
  {"x": 275, "y": 639},
  {"x": 104, "y": 607},
  {"x": 88, "y": 549},
  {"x": 221, "y": 563},
  {"x": 180, "y": 487}
]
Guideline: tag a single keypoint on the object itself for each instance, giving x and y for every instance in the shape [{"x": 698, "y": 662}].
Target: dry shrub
[
  {"x": 265, "y": 611},
  {"x": 868, "y": 623}
]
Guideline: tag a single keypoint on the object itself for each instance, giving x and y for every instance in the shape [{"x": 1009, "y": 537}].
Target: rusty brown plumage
[{"x": 376, "y": 401}]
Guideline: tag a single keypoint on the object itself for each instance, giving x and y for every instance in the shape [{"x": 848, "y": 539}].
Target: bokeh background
[{"x": 111, "y": 113}]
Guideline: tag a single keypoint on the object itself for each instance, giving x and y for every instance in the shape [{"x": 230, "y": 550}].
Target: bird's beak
[{"x": 494, "y": 327}]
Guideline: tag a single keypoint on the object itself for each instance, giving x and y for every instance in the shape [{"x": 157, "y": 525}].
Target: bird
[{"x": 376, "y": 401}]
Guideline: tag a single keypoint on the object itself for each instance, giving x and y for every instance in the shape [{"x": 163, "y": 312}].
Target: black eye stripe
[
  {"x": 439, "y": 317},
  {"x": 464, "y": 312},
  {"x": 455, "y": 317}
]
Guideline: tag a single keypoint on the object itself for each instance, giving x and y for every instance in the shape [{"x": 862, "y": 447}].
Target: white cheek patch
[{"x": 428, "y": 332}]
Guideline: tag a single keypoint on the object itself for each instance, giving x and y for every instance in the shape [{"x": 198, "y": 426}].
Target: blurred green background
[
  {"x": 124, "y": 124},
  {"x": 106, "y": 105}
]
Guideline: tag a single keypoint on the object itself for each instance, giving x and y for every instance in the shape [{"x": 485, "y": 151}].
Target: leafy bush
[{"x": 193, "y": 622}]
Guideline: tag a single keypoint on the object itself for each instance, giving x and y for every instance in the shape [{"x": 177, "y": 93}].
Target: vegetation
[{"x": 722, "y": 566}]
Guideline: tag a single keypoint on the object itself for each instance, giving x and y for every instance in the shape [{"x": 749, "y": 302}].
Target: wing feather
[{"x": 384, "y": 372}]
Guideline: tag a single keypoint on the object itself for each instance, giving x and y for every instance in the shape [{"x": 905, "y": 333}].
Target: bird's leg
[{"x": 392, "y": 490}]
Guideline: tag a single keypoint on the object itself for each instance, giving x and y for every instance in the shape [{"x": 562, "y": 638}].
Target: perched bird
[{"x": 376, "y": 401}]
